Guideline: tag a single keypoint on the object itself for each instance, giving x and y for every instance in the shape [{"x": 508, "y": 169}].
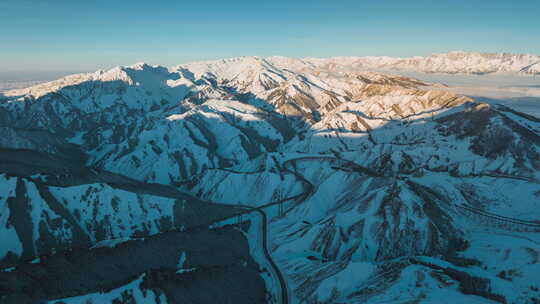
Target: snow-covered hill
[{"x": 394, "y": 189}]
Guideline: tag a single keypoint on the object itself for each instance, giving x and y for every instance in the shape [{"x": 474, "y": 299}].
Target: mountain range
[
  {"x": 457, "y": 62},
  {"x": 270, "y": 180}
]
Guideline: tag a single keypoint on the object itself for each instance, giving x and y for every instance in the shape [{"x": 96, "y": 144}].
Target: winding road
[
  {"x": 283, "y": 295},
  {"x": 289, "y": 166}
]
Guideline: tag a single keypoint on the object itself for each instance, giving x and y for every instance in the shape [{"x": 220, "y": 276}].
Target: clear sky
[{"x": 74, "y": 35}]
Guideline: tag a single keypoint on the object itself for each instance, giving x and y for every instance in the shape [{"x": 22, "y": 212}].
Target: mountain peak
[{"x": 140, "y": 66}]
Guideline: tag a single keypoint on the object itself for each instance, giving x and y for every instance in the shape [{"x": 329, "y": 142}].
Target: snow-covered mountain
[{"x": 392, "y": 189}]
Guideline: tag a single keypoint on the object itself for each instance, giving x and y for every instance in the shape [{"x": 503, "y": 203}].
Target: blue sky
[{"x": 59, "y": 35}]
